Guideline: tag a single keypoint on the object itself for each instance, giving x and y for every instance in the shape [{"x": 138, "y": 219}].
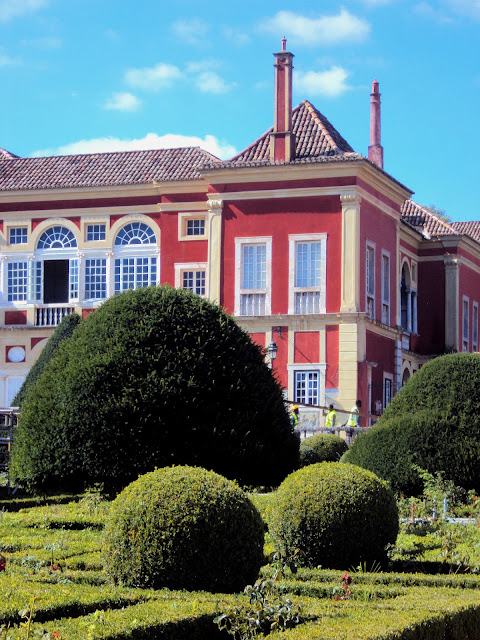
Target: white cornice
[
  {"x": 83, "y": 211},
  {"x": 182, "y": 206},
  {"x": 114, "y": 191}
]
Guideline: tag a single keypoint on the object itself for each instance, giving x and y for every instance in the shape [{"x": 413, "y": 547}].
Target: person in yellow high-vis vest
[
  {"x": 331, "y": 418},
  {"x": 353, "y": 420}
]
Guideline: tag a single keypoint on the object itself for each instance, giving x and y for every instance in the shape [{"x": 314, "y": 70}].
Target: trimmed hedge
[
  {"x": 337, "y": 516},
  {"x": 433, "y": 422},
  {"x": 156, "y": 376},
  {"x": 184, "y": 528},
  {"x": 327, "y": 447},
  {"x": 63, "y": 332}
]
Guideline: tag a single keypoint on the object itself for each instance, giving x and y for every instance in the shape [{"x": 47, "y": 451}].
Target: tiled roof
[
  {"x": 316, "y": 140},
  {"x": 425, "y": 221},
  {"x": 470, "y": 228},
  {"x": 101, "y": 169}
]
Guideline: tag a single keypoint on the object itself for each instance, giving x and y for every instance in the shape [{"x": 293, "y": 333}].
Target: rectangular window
[
  {"x": 307, "y": 261},
  {"x": 465, "y": 324},
  {"x": 370, "y": 281},
  {"x": 387, "y": 395},
  {"x": 73, "y": 279},
  {"x": 307, "y": 387},
  {"x": 18, "y": 235},
  {"x": 133, "y": 273},
  {"x": 475, "y": 326},
  {"x": 95, "y": 279},
  {"x": 17, "y": 280},
  {"x": 95, "y": 232},
  {"x": 194, "y": 281},
  {"x": 35, "y": 279},
  {"x": 195, "y": 227},
  {"x": 253, "y": 282},
  {"x": 385, "y": 288}
]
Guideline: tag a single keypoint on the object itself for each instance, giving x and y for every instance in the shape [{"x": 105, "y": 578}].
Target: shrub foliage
[
  {"x": 327, "y": 447},
  {"x": 433, "y": 422},
  {"x": 337, "y": 515},
  {"x": 155, "y": 377},
  {"x": 63, "y": 331},
  {"x": 184, "y": 528}
]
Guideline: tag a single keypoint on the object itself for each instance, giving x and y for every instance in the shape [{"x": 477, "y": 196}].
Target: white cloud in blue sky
[
  {"x": 123, "y": 101},
  {"x": 326, "y": 30},
  {"x": 330, "y": 83},
  {"x": 192, "y": 31},
  {"x": 161, "y": 76},
  {"x": 210, "y": 143},
  {"x": 11, "y": 9}
]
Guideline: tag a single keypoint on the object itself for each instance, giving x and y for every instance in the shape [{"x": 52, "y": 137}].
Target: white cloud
[
  {"x": 330, "y": 83},
  {"x": 469, "y": 8},
  {"x": 7, "y": 61},
  {"x": 43, "y": 43},
  {"x": 123, "y": 102},
  {"x": 211, "y": 82},
  {"x": 203, "y": 65},
  {"x": 235, "y": 35},
  {"x": 161, "y": 76},
  {"x": 210, "y": 143},
  {"x": 433, "y": 13},
  {"x": 192, "y": 31},
  {"x": 343, "y": 28},
  {"x": 11, "y": 9}
]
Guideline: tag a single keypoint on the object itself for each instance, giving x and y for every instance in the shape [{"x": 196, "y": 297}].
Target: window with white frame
[
  {"x": 192, "y": 276},
  {"x": 192, "y": 226},
  {"x": 95, "y": 279},
  {"x": 195, "y": 227},
  {"x": 135, "y": 266},
  {"x": 475, "y": 326},
  {"x": 465, "y": 324},
  {"x": 253, "y": 260},
  {"x": 387, "y": 389},
  {"x": 385, "y": 287},
  {"x": 17, "y": 281},
  {"x": 18, "y": 235},
  {"x": 96, "y": 232},
  {"x": 306, "y": 387},
  {"x": 307, "y": 284},
  {"x": 57, "y": 237},
  {"x": 370, "y": 281}
]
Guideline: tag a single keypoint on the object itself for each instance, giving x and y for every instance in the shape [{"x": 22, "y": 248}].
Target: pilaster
[
  {"x": 214, "y": 249},
  {"x": 451, "y": 302},
  {"x": 350, "y": 294}
]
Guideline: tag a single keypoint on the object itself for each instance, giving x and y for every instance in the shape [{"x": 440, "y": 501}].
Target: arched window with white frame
[{"x": 136, "y": 257}]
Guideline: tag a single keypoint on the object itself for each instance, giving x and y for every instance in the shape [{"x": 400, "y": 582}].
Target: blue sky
[{"x": 100, "y": 75}]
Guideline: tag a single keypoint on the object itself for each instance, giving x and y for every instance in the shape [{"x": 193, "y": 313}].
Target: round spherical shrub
[
  {"x": 155, "y": 377},
  {"x": 337, "y": 515},
  {"x": 184, "y": 528},
  {"x": 307, "y": 456},
  {"x": 327, "y": 446},
  {"x": 433, "y": 422}
]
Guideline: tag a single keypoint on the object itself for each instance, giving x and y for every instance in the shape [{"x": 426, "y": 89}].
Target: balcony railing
[{"x": 51, "y": 316}]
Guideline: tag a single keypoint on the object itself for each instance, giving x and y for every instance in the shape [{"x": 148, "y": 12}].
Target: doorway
[{"x": 55, "y": 281}]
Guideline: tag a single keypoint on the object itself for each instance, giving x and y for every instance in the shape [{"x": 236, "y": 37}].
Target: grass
[{"x": 54, "y": 567}]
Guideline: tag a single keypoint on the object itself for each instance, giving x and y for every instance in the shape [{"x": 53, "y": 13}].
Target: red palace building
[{"x": 309, "y": 244}]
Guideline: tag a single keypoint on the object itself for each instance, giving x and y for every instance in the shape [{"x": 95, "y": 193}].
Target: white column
[
  {"x": 110, "y": 264},
  {"x": 451, "y": 302}
]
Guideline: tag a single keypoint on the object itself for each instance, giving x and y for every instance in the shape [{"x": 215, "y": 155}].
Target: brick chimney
[
  {"x": 282, "y": 140},
  {"x": 375, "y": 150}
]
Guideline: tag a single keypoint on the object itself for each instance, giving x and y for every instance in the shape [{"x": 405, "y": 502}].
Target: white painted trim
[
  {"x": 474, "y": 308},
  {"x": 386, "y": 254},
  {"x": 465, "y": 299},
  {"x": 182, "y": 225},
  {"x": 180, "y": 267},
  {"x": 293, "y": 239},
  {"x": 371, "y": 245},
  {"x": 321, "y": 368}
]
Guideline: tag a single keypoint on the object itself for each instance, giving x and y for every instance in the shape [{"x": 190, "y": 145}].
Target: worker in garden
[
  {"x": 331, "y": 418},
  {"x": 353, "y": 420},
  {"x": 294, "y": 417}
]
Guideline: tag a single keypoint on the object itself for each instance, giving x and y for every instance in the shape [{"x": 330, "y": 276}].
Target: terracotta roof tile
[
  {"x": 425, "y": 221},
  {"x": 101, "y": 169},
  {"x": 316, "y": 140},
  {"x": 470, "y": 228}
]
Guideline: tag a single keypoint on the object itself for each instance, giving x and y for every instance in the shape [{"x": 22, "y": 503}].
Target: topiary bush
[
  {"x": 327, "y": 446},
  {"x": 433, "y": 422},
  {"x": 307, "y": 456},
  {"x": 63, "y": 331},
  {"x": 337, "y": 515},
  {"x": 156, "y": 376},
  {"x": 184, "y": 528}
]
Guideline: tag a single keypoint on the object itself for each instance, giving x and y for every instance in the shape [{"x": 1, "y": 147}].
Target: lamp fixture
[{"x": 271, "y": 351}]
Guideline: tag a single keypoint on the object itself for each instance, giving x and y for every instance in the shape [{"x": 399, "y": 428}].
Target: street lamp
[{"x": 271, "y": 352}]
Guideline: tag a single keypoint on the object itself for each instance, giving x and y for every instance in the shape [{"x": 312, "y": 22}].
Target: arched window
[
  {"x": 57, "y": 237},
  {"x": 135, "y": 233}
]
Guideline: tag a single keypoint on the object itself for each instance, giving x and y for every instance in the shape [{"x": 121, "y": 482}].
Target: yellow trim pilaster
[
  {"x": 214, "y": 248},
  {"x": 451, "y": 302},
  {"x": 350, "y": 295}
]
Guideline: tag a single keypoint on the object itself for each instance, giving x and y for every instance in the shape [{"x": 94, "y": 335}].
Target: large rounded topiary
[
  {"x": 154, "y": 377},
  {"x": 433, "y": 422},
  {"x": 327, "y": 447},
  {"x": 337, "y": 515},
  {"x": 184, "y": 528}
]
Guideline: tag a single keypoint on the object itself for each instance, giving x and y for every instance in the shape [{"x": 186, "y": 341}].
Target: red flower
[{"x": 3, "y": 562}]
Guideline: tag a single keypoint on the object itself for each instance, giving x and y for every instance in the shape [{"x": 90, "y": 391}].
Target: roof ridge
[{"x": 314, "y": 113}]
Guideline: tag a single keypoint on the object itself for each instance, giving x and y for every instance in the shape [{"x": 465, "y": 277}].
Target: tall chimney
[
  {"x": 375, "y": 150},
  {"x": 282, "y": 140}
]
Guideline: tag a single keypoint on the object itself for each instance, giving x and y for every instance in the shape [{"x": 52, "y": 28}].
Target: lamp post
[{"x": 271, "y": 353}]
